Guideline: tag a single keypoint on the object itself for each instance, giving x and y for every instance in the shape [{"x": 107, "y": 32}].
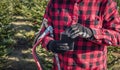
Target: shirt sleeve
[
  {"x": 47, "y": 16},
  {"x": 110, "y": 33}
]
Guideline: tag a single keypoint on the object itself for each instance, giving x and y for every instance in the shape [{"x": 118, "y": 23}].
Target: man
[{"x": 91, "y": 25}]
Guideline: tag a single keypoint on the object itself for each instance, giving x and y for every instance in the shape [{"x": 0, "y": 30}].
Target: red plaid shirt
[{"x": 101, "y": 16}]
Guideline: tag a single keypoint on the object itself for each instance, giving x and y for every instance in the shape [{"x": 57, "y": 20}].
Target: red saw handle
[{"x": 34, "y": 54}]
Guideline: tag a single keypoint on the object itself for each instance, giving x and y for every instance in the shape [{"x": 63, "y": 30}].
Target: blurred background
[{"x": 19, "y": 21}]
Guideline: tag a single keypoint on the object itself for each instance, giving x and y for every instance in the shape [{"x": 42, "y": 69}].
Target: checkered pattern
[{"x": 101, "y": 16}]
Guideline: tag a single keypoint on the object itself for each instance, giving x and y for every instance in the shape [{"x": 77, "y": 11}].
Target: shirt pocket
[
  {"x": 62, "y": 16},
  {"x": 92, "y": 21}
]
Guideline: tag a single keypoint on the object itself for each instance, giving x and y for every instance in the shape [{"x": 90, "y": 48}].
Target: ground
[{"x": 20, "y": 58}]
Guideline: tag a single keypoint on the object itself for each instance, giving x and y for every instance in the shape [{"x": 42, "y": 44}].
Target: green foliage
[
  {"x": 32, "y": 9},
  {"x": 5, "y": 12},
  {"x": 118, "y": 4},
  {"x": 6, "y": 32},
  {"x": 113, "y": 58}
]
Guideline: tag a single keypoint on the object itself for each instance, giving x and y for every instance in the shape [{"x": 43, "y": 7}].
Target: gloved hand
[
  {"x": 58, "y": 46},
  {"x": 78, "y": 30}
]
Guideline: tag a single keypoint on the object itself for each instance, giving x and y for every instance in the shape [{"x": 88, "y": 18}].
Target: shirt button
[{"x": 74, "y": 18}]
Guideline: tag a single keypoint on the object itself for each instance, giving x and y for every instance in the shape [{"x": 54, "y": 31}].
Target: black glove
[
  {"x": 78, "y": 30},
  {"x": 58, "y": 46}
]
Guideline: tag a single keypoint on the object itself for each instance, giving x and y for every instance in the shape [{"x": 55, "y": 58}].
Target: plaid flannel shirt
[{"x": 101, "y": 16}]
